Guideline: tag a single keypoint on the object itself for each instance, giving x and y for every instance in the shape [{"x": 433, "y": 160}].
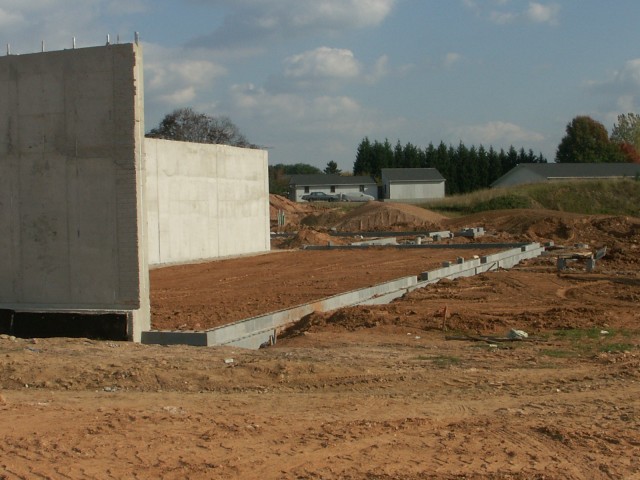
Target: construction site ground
[{"x": 429, "y": 386}]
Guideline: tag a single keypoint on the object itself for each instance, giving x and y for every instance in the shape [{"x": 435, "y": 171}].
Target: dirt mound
[
  {"x": 293, "y": 212},
  {"x": 309, "y": 236},
  {"x": 560, "y": 227},
  {"x": 374, "y": 216}
]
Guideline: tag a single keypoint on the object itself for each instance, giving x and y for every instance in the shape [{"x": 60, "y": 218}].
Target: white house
[
  {"x": 547, "y": 172},
  {"x": 331, "y": 184},
  {"x": 412, "y": 185}
]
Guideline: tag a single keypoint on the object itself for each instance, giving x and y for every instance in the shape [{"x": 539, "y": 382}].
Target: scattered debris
[
  {"x": 487, "y": 338},
  {"x": 517, "y": 334}
]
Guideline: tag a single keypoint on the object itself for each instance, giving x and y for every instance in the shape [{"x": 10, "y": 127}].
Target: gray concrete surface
[
  {"x": 205, "y": 201},
  {"x": 71, "y": 185},
  {"x": 253, "y": 332},
  {"x": 85, "y": 209}
]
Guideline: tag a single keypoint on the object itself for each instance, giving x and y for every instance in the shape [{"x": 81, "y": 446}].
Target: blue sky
[{"x": 309, "y": 79}]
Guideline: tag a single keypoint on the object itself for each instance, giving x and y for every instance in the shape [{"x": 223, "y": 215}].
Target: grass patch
[
  {"x": 503, "y": 202},
  {"x": 590, "y": 341},
  {"x": 617, "y": 347},
  {"x": 609, "y": 197},
  {"x": 576, "y": 334}
]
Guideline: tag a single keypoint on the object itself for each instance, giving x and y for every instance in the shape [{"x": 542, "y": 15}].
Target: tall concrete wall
[
  {"x": 72, "y": 218},
  {"x": 205, "y": 201}
]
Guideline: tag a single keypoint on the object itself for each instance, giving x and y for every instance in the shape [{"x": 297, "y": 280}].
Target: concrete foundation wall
[
  {"x": 72, "y": 218},
  {"x": 205, "y": 201},
  {"x": 257, "y": 331}
]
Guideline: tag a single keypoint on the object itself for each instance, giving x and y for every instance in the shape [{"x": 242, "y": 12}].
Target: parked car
[
  {"x": 355, "y": 197},
  {"x": 319, "y": 197}
]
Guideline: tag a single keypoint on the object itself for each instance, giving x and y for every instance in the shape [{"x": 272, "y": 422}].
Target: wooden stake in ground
[{"x": 445, "y": 314}]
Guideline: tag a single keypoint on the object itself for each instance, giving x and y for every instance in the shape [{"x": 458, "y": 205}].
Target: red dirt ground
[
  {"x": 198, "y": 297},
  {"x": 425, "y": 387}
]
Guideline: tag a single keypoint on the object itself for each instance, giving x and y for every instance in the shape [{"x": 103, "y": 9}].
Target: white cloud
[
  {"x": 325, "y": 69},
  {"x": 629, "y": 75},
  {"x": 355, "y": 13},
  {"x": 622, "y": 88},
  {"x": 322, "y": 62},
  {"x": 255, "y": 21},
  {"x": 451, "y": 58},
  {"x": 178, "y": 97},
  {"x": 497, "y": 133},
  {"x": 502, "y": 12},
  {"x": 298, "y": 113},
  {"x": 540, "y": 13},
  {"x": 25, "y": 23},
  {"x": 175, "y": 79},
  {"x": 380, "y": 69},
  {"x": 126, "y": 7},
  {"x": 10, "y": 19},
  {"x": 502, "y": 18},
  {"x": 623, "y": 81}
]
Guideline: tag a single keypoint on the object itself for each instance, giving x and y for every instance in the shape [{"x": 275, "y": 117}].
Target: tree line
[
  {"x": 587, "y": 141},
  {"x": 465, "y": 168}
]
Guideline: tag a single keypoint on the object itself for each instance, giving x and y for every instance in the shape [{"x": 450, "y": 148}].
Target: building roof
[
  {"x": 571, "y": 171},
  {"x": 412, "y": 175},
  {"x": 330, "y": 179}
]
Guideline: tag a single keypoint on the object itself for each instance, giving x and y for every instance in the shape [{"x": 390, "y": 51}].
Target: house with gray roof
[
  {"x": 331, "y": 184},
  {"x": 412, "y": 185},
  {"x": 548, "y": 172}
]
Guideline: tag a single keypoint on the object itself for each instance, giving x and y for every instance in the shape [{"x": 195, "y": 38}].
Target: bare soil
[
  {"x": 203, "y": 296},
  {"x": 425, "y": 387}
]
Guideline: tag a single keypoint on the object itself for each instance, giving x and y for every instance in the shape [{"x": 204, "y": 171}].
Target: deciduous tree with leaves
[
  {"x": 587, "y": 141},
  {"x": 280, "y": 174},
  {"x": 186, "y": 125},
  {"x": 626, "y": 134}
]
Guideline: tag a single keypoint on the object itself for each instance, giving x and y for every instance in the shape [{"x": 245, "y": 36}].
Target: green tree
[
  {"x": 627, "y": 130},
  {"x": 280, "y": 174},
  {"x": 186, "y": 125},
  {"x": 332, "y": 168},
  {"x": 495, "y": 166},
  {"x": 372, "y": 158},
  {"x": 364, "y": 158},
  {"x": 411, "y": 156},
  {"x": 626, "y": 134},
  {"x": 587, "y": 141},
  {"x": 465, "y": 169}
]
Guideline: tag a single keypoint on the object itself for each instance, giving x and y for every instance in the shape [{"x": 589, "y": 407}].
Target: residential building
[{"x": 412, "y": 185}]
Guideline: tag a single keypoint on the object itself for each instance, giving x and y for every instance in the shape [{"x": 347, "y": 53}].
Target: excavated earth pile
[{"x": 429, "y": 386}]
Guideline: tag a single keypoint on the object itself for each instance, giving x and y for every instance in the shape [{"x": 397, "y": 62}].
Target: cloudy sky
[{"x": 309, "y": 79}]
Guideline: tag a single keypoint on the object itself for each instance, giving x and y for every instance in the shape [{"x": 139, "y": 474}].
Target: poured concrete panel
[
  {"x": 72, "y": 217},
  {"x": 205, "y": 201}
]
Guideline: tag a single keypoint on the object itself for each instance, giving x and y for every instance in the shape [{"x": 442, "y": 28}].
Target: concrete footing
[{"x": 263, "y": 330}]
